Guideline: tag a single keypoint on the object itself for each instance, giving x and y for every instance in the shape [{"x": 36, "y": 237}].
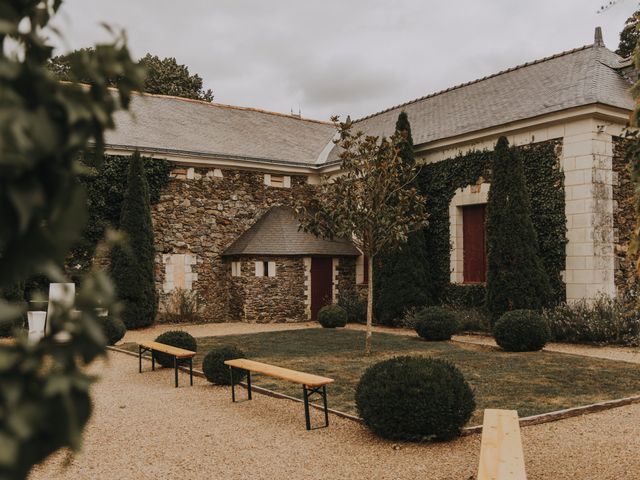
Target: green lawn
[{"x": 531, "y": 383}]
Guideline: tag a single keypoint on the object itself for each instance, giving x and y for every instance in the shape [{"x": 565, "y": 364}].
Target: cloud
[{"x": 334, "y": 56}]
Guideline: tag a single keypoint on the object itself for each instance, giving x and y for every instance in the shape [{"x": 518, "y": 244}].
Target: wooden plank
[
  {"x": 501, "y": 456},
  {"x": 161, "y": 347},
  {"x": 279, "y": 372}
]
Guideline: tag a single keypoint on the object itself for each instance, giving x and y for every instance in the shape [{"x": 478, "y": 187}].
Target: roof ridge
[
  {"x": 478, "y": 80},
  {"x": 231, "y": 107}
]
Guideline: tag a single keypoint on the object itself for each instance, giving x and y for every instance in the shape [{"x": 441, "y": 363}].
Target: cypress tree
[
  {"x": 401, "y": 279},
  {"x": 133, "y": 264},
  {"x": 516, "y": 277}
]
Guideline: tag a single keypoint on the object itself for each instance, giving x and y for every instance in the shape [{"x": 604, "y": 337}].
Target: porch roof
[{"x": 278, "y": 233}]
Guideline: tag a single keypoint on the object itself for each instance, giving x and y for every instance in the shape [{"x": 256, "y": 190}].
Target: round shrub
[
  {"x": 436, "y": 323},
  {"x": 113, "y": 328},
  {"x": 175, "y": 338},
  {"x": 216, "y": 371},
  {"x": 332, "y": 316},
  {"x": 521, "y": 331},
  {"x": 414, "y": 398}
]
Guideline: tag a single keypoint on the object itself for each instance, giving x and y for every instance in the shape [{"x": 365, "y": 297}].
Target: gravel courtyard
[{"x": 143, "y": 428}]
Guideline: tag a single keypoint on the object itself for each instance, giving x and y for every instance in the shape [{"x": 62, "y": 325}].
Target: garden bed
[{"x": 531, "y": 383}]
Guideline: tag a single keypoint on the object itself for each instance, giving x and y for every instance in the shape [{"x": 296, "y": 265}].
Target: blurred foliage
[
  {"x": 165, "y": 76},
  {"x": 44, "y": 126}
]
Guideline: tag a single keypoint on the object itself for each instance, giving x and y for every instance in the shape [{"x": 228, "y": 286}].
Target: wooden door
[
  {"x": 473, "y": 243},
  {"x": 321, "y": 284}
]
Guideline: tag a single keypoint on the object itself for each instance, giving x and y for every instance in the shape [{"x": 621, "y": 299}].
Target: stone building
[
  {"x": 233, "y": 164},
  {"x": 279, "y": 273}
]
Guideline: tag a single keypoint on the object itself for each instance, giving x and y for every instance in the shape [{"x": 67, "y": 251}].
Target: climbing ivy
[
  {"x": 545, "y": 182},
  {"x": 106, "y": 189}
]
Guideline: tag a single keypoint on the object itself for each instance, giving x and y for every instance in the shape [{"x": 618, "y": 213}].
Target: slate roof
[
  {"x": 276, "y": 233},
  {"x": 575, "y": 78},
  {"x": 177, "y": 125}
]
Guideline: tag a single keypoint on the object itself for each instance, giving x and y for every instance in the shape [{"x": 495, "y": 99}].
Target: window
[
  {"x": 236, "y": 269},
  {"x": 278, "y": 181},
  {"x": 265, "y": 269}
]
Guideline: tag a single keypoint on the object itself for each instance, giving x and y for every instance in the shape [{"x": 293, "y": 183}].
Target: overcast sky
[{"x": 341, "y": 56}]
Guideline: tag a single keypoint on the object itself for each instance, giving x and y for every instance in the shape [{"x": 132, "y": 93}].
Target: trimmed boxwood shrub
[
  {"x": 332, "y": 316},
  {"x": 436, "y": 323},
  {"x": 175, "y": 338},
  {"x": 216, "y": 371},
  {"x": 414, "y": 398},
  {"x": 521, "y": 331},
  {"x": 113, "y": 328}
]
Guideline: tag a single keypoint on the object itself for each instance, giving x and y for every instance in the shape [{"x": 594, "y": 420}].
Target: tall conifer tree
[
  {"x": 516, "y": 277},
  {"x": 401, "y": 280},
  {"x": 133, "y": 264}
]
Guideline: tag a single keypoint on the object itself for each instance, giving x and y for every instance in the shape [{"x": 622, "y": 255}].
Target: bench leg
[
  {"x": 139, "y": 359},
  {"x": 326, "y": 409},
  {"x": 191, "y": 371},
  {"x": 233, "y": 385},
  {"x": 305, "y": 395},
  {"x": 153, "y": 361},
  {"x": 175, "y": 368},
  {"x": 249, "y": 383}
]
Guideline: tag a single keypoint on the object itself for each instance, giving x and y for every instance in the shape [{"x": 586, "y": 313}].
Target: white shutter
[
  {"x": 287, "y": 181},
  {"x": 267, "y": 179},
  {"x": 272, "y": 269},
  {"x": 259, "y": 269}
]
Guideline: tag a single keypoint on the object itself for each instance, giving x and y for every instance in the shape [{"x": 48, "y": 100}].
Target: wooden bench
[
  {"x": 501, "y": 456},
  {"x": 175, "y": 352},
  {"x": 311, "y": 384}
]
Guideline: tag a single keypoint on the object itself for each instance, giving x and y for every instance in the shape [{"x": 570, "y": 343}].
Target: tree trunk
[{"x": 367, "y": 344}]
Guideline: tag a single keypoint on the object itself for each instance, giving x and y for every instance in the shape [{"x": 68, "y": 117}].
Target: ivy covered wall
[
  {"x": 105, "y": 192},
  {"x": 545, "y": 182}
]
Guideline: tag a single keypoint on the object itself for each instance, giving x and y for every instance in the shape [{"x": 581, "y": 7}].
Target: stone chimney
[{"x": 597, "y": 39}]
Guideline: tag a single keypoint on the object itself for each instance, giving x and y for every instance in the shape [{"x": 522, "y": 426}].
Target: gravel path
[{"x": 143, "y": 428}]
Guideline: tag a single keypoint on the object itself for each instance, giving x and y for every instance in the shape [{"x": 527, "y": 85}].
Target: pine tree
[
  {"x": 516, "y": 277},
  {"x": 401, "y": 279},
  {"x": 133, "y": 264}
]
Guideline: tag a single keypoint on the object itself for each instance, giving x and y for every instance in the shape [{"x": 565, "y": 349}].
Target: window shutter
[
  {"x": 259, "y": 269},
  {"x": 267, "y": 179},
  {"x": 287, "y": 181},
  {"x": 272, "y": 269}
]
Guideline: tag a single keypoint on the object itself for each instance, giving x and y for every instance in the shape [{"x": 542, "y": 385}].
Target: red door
[
  {"x": 473, "y": 243},
  {"x": 321, "y": 284}
]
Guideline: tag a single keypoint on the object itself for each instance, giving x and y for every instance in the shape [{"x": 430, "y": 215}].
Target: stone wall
[
  {"x": 265, "y": 299},
  {"x": 623, "y": 217},
  {"x": 200, "y": 213},
  {"x": 345, "y": 278}
]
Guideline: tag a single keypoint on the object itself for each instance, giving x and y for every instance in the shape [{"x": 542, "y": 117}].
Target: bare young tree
[{"x": 373, "y": 201}]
